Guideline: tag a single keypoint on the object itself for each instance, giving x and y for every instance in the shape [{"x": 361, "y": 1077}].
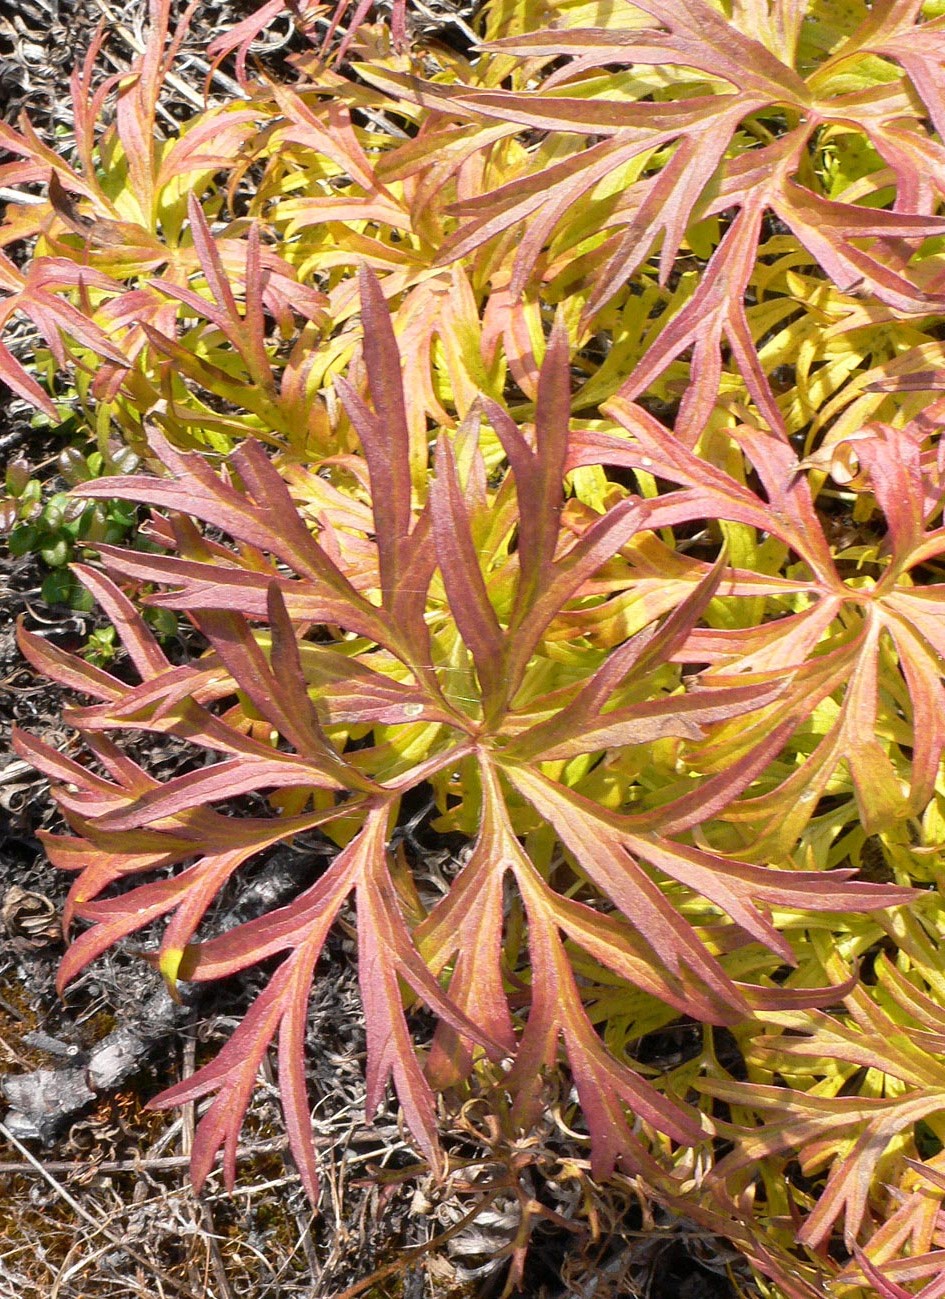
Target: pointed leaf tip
[{"x": 169, "y": 963}]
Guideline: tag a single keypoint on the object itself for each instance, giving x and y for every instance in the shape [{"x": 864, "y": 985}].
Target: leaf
[
  {"x": 610, "y": 852},
  {"x": 465, "y": 585},
  {"x": 385, "y": 953}
]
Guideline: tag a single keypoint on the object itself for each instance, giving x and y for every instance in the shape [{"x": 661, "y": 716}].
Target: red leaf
[{"x": 462, "y": 576}]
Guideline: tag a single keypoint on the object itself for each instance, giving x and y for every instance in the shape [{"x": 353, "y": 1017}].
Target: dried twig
[
  {"x": 219, "y": 78},
  {"x": 99, "y": 1227},
  {"x": 159, "y": 1164}
]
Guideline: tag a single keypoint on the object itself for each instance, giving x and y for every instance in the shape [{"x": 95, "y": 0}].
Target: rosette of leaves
[
  {"x": 129, "y": 289},
  {"x": 205, "y": 272},
  {"x": 858, "y": 1104},
  {"x": 858, "y": 623},
  {"x": 410, "y": 643},
  {"x": 675, "y": 130}
]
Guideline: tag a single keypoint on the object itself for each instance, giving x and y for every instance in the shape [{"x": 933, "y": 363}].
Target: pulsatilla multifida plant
[
  {"x": 440, "y": 590},
  {"x": 666, "y": 686}
]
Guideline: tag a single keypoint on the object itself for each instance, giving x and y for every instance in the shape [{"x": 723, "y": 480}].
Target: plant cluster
[
  {"x": 546, "y": 436},
  {"x": 37, "y": 519}
]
